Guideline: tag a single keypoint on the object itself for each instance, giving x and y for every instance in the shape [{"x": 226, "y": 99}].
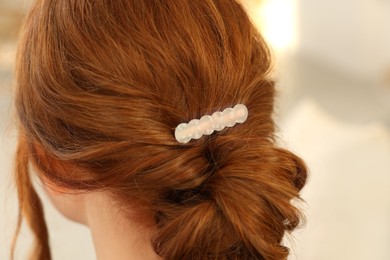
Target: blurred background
[{"x": 332, "y": 65}]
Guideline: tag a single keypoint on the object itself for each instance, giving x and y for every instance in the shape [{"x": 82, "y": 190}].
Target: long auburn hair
[{"x": 101, "y": 86}]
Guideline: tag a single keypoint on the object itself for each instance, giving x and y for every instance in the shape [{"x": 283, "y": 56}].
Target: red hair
[{"x": 102, "y": 86}]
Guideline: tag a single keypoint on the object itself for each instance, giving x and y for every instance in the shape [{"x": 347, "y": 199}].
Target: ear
[{"x": 71, "y": 204}]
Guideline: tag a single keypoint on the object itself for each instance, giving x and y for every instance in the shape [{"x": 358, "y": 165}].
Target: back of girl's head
[{"x": 101, "y": 87}]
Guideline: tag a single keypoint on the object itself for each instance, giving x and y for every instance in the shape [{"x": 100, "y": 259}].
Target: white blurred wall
[{"x": 350, "y": 35}]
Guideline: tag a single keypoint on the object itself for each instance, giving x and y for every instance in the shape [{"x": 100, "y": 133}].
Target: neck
[{"x": 116, "y": 234}]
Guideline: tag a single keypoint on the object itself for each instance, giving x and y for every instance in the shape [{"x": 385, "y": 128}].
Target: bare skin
[{"x": 116, "y": 234}]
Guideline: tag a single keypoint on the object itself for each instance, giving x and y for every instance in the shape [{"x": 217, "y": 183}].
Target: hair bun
[{"x": 242, "y": 210}]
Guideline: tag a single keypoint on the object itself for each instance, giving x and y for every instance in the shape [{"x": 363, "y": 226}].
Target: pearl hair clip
[{"x": 196, "y": 128}]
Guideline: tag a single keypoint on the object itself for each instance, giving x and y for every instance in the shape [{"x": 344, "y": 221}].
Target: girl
[{"x": 102, "y": 87}]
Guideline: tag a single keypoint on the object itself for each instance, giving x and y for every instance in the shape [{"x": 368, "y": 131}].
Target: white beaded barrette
[{"x": 196, "y": 128}]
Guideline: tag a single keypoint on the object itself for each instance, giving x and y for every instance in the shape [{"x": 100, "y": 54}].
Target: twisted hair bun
[
  {"x": 239, "y": 204},
  {"x": 102, "y": 86}
]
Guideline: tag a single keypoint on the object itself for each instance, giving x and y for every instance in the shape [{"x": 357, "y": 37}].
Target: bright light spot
[{"x": 276, "y": 20}]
